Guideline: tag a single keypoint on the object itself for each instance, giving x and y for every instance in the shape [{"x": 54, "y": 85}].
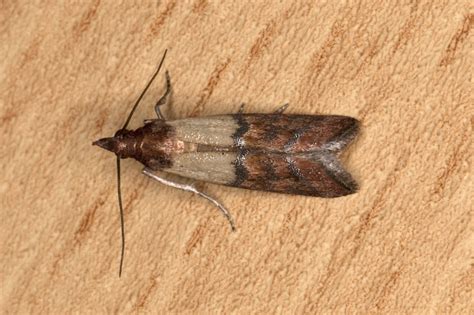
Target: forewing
[
  {"x": 269, "y": 132},
  {"x": 295, "y": 133},
  {"x": 293, "y": 154},
  {"x": 214, "y": 131},
  {"x": 318, "y": 174},
  {"x": 215, "y": 167}
]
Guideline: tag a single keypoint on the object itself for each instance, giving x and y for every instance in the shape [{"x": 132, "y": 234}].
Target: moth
[{"x": 277, "y": 152}]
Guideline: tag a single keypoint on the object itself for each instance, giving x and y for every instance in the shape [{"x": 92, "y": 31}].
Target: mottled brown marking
[
  {"x": 269, "y": 33},
  {"x": 367, "y": 219},
  {"x": 293, "y": 133},
  {"x": 87, "y": 219},
  {"x": 9, "y": 115},
  {"x": 321, "y": 57},
  {"x": 195, "y": 239},
  {"x": 457, "y": 40},
  {"x": 293, "y": 154},
  {"x": 100, "y": 121},
  {"x": 388, "y": 289},
  {"x": 83, "y": 24},
  {"x": 408, "y": 28},
  {"x": 211, "y": 84},
  {"x": 143, "y": 297},
  {"x": 160, "y": 20},
  {"x": 30, "y": 53},
  {"x": 458, "y": 153},
  {"x": 290, "y": 174},
  {"x": 263, "y": 40},
  {"x": 199, "y": 6},
  {"x": 369, "y": 53},
  {"x": 131, "y": 198}
]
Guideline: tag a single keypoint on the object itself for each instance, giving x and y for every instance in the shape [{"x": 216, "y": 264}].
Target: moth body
[{"x": 293, "y": 154}]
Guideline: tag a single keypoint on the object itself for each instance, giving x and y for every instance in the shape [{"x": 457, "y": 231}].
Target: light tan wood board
[{"x": 69, "y": 74}]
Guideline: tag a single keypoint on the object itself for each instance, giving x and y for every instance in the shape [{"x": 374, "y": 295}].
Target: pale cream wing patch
[
  {"x": 215, "y": 167},
  {"x": 211, "y": 130}
]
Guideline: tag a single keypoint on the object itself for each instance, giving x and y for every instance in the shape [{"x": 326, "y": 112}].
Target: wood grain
[{"x": 69, "y": 73}]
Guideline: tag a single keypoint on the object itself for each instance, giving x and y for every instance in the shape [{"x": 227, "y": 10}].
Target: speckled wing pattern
[{"x": 292, "y": 154}]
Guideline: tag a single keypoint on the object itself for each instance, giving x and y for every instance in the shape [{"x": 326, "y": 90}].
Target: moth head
[{"x": 119, "y": 144}]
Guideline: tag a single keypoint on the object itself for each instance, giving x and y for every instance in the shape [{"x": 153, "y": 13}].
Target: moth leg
[
  {"x": 225, "y": 212},
  {"x": 241, "y": 109},
  {"x": 281, "y": 109},
  {"x": 164, "y": 100}
]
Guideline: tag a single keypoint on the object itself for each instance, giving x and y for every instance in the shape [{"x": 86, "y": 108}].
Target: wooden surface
[{"x": 69, "y": 74}]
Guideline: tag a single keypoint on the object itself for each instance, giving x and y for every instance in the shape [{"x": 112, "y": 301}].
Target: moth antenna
[
  {"x": 122, "y": 224},
  {"x": 119, "y": 190},
  {"x": 144, "y": 91}
]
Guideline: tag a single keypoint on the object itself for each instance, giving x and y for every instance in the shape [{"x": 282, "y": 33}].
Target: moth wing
[
  {"x": 270, "y": 132},
  {"x": 296, "y": 133},
  {"x": 293, "y": 154},
  {"x": 211, "y": 134},
  {"x": 214, "y": 131},
  {"x": 318, "y": 174},
  {"x": 215, "y": 167}
]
